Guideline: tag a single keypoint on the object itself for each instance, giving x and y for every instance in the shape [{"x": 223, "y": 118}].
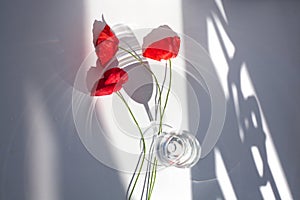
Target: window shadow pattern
[{"x": 265, "y": 43}]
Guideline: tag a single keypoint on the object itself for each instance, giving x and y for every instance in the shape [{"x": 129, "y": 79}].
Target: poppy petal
[
  {"x": 106, "y": 45},
  {"x": 161, "y": 44},
  {"x": 112, "y": 81}
]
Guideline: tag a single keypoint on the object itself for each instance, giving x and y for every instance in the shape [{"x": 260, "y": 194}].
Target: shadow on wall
[
  {"x": 42, "y": 46},
  {"x": 253, "y": 46}
]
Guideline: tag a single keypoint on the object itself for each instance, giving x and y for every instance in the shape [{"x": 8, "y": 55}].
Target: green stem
[
  {"x": 169, "y": 89},
  {"x": 153, "y": 172},
  {"x": 167, "y": 97},
  {"x": 153, "y": 175},
  {"x": 142, "y": 138},
  {"x": 134, "y": 119},
  {"x": 154, "y": 76},
  {"x": 153, "y": 178}
]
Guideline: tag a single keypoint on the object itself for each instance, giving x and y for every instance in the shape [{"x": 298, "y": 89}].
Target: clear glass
[
  {"x": 172, "y": 147},
  {"x": 177, "y": 149}
]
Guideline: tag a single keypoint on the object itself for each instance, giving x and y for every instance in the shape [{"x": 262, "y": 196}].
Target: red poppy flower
[
  {"x": 105, "y": 42},
  {"x": 112, "y": 81},
  {"x": 161, "y": 43}
]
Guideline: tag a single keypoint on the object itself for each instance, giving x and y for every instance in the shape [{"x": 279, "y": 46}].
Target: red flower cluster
[
  {"x": 161, "y": 43},
  {"x": 106, "y": 46}
]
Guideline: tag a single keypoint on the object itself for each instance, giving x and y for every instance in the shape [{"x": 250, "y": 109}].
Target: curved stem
[
  {"x": 139, "y": 172},
  {"x": 133, "y": 175},
  {"x": 161, "y": 111},
  {"x": 134, "y": 119},
  {"x": 169, "y": 89},
  {"x": 153, "y": 178},
  {"x": 153, "y": 175},
  {"x": 151, "y": 72},
  {"x": 142, "y": 138},
  {"x": 167, "y": 97}
]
